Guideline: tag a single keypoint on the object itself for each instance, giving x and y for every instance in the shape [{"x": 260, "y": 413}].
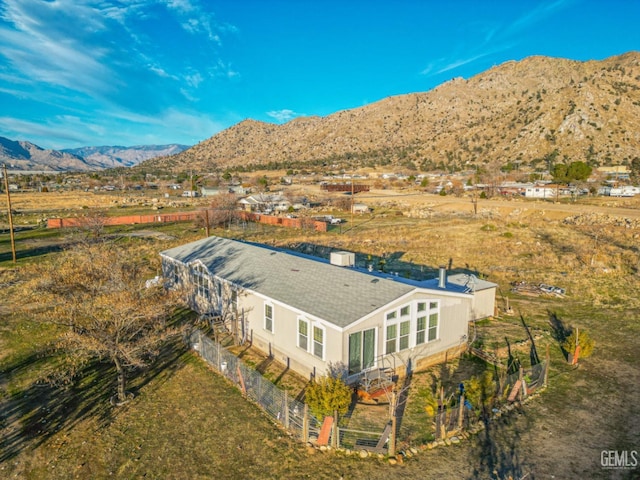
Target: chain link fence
[{"x": 290, "y": 413}]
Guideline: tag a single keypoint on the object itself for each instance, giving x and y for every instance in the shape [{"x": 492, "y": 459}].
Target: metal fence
[{"x": 292, "y": 414}]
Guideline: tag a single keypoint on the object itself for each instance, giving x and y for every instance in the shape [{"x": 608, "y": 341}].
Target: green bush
[
  {"x": 326, "y": 395},
  {"x": 480, "y": 390},
  {"x": 587, "y": 344}
]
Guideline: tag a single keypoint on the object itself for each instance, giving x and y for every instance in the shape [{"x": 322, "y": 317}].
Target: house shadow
[{"x": 388, "y": 262}]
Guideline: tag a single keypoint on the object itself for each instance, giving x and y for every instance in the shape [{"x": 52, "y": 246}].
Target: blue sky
[{"x": 136, "y": 72}]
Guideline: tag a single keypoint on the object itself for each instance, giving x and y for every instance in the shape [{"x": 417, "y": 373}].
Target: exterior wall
[
  {"x": 283, "y": 342},
  {"x": 452, "y": 329},
  {"x": 540, "y": 192},
  {"x": 484, "y": 304}
]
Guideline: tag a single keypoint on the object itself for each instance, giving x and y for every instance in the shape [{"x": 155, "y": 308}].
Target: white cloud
[{"x": 283, "y": 115}]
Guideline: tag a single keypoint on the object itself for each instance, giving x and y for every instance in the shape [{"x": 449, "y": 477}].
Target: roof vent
[
  {"x": 442, "y": 277},
  {"x": 343, "y": 259}
]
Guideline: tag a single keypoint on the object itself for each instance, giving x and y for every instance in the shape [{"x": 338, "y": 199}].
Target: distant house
[
  {"x": 360, "y": 208},
  {"x": 265, "y": 203},
  {"x": 213, "y": 191},
  {"x": 622, "y": 191},
  {"x": 313, "y": 314},
  {"x": 539, "y": 191}
]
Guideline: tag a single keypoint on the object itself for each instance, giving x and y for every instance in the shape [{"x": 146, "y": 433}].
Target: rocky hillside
[
  {"x": 21, "y": 155},
  {"x": 526, "y": 113},
  {"x": 110, "y": 157}
]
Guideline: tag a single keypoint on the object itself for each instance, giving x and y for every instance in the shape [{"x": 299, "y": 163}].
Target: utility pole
[{"x": 6, "y": 186}]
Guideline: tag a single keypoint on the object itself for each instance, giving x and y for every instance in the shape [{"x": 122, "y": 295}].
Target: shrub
[
  {"x": 586, "y": 343},
  {"x": 326, "y": 395},
  {"x": 480, "y": 391}
]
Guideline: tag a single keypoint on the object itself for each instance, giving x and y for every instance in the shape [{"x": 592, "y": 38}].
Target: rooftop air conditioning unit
[{"x": 343, "y": 259}]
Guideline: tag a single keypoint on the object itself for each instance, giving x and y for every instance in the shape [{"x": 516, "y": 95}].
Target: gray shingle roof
[{"x": 340, "y": 295}]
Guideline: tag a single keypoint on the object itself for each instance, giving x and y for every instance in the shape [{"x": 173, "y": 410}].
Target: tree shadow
[
  {"x": 32, "y": 415},
  {"x": 498, "y": 448},
  {"x": 560, "y": 331}
]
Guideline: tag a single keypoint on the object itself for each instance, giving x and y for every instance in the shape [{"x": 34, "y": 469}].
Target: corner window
[{"x": 268, "y": 317}]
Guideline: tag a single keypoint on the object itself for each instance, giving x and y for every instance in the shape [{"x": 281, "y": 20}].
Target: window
[
  {"x": 404, "y": 334},
  {"x": 318, "y": 342},
  {"x": 392, "y": 333},
  {"x": 268, "y": 317},
  {"x": 303, "y": 334},
  {"x": 201, "y": 280},
  {"x": 411, "y": 325},
  {"x": 421, "y": 326},
  {"x": 433, "y": 326},
  {"x": 234, "y": 299}
]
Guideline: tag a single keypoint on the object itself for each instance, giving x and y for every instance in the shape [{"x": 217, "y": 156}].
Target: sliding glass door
[{"x": 362, "y": 350}]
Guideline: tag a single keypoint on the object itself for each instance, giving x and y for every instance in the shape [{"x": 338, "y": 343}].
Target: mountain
[
  {"x": 22, "y": 155},
  {"x": 527, "y": 113},
  {"x": 110, "y": 157}
]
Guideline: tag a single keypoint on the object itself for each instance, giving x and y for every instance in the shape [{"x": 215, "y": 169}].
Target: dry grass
[{"x": 187, "y": 423}]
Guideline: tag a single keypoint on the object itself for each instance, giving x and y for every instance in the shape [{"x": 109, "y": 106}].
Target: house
[
  {"x": 213, "y": 191},
  {"x": 360, "y": 208},
  {"x": 621, "y": 191},
  {"x": 265, "y": 203},
  {"x": 316, "y": 315},
  {"x": 539, "y": 191}
]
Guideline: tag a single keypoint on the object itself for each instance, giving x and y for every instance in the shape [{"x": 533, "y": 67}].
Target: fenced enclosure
[
  {"x": 350, "y": 431},
  {"x": 291, "y": 414},
  {"x": 516, "y": 386}
]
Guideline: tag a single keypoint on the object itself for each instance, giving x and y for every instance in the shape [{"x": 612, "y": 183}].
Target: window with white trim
[
  {"x": 391, "y": 335},
  {"x": 303, "y": 334},
  {"x": 433, "y": 326},
  {"x": 201, "y": 280},
  {"x": 318, "y": 341},
  {"x": 410, "y": 325},
  {"x": 268, "y": 317},
  {"x": 421, "y": 330}
]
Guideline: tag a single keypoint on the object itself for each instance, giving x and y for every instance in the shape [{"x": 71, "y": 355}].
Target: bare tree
[
  {"x": 90, "y": 228},
  {"x": 222, "y": 210},
  {"x": 107, "y": 310}
]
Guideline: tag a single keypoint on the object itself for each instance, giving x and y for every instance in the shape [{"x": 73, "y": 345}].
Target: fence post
[
  {"x": 335, "y": 440},
  {"x": 521, "y": 379},
  {"x": 546, "y": 368},
  {"x": 286, "y": 410},
  {"x": 218, "y": 364},
  {"x": 305, "y": 423},
  {"x": 394, "y": 420}
]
